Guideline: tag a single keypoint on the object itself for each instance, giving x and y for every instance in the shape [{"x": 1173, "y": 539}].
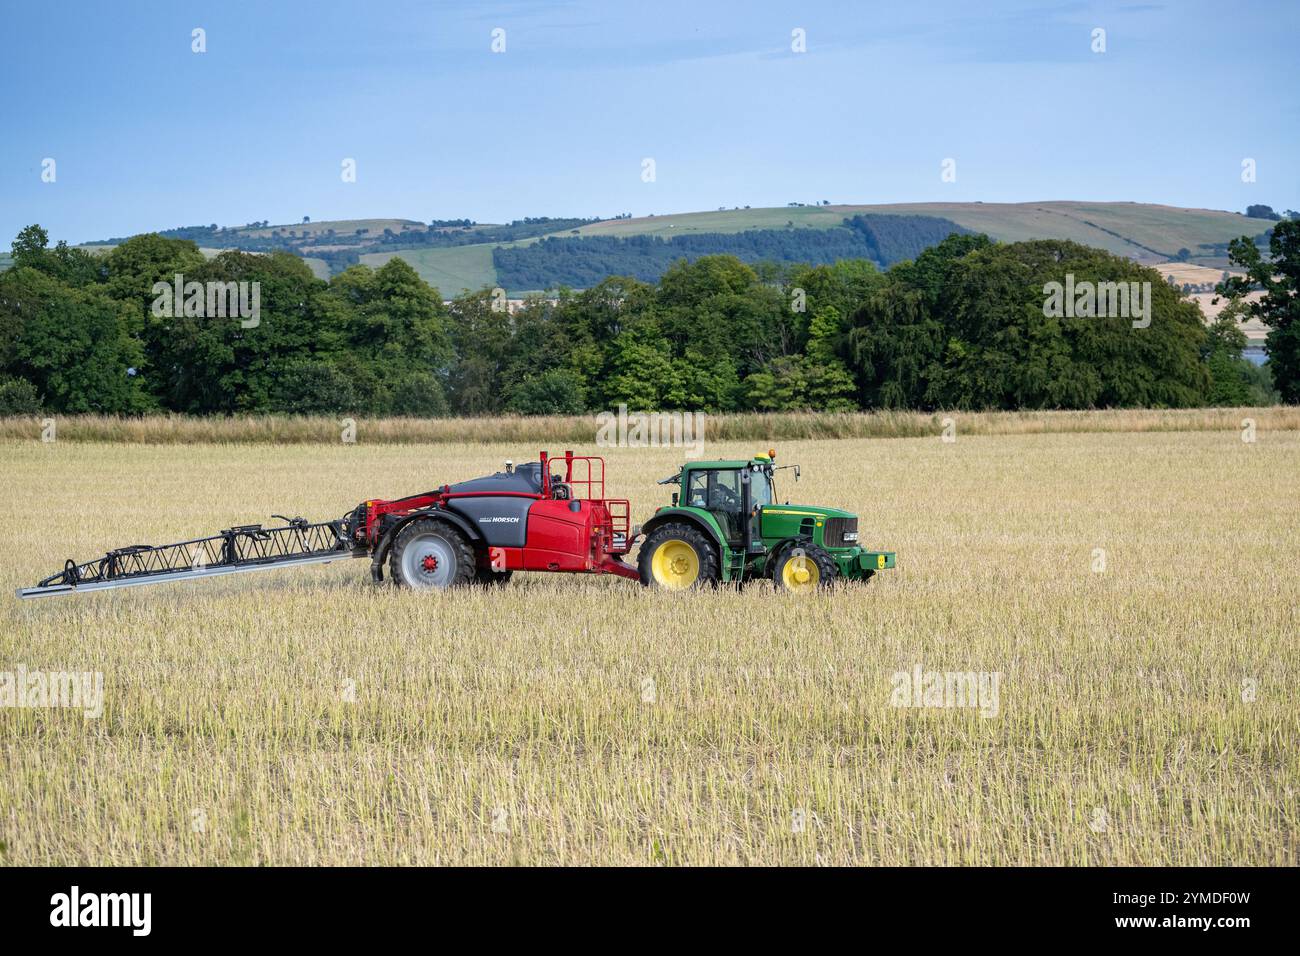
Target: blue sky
[{"x": 147, "y": 134}]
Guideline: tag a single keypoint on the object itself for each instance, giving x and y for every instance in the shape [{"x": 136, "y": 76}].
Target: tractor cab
[{"x": 734, "y": 493}]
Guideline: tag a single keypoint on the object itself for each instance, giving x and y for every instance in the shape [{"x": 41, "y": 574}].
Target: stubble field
[{"x": 1147, "y": 709}]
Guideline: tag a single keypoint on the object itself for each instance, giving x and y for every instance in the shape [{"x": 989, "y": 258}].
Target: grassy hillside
[
  {"x": 728, "y": 220},
  {"x": 450, "y": 271},
  {"x": 344, "y": 227},
  {"x": 319, "y": 267},
  {"x": 1148, "y": 233},
  {"x": 1124, "y": 228}
]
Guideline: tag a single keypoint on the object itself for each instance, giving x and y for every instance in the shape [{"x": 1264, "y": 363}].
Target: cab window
[
  {"x": 717, "y": 490},
  {"x": 760, "y": 486}
]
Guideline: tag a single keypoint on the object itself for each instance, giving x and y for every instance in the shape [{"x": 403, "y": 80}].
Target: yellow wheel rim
[
  {"x": 675, "y": 564},
  {"x": 800, "y": 573}
]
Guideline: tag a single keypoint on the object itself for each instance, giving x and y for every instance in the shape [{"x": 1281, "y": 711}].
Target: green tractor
[{"x": 725, "y": 524}]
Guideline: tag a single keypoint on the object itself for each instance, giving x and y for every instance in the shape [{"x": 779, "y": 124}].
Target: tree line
[{"x": 961, "y": 325}]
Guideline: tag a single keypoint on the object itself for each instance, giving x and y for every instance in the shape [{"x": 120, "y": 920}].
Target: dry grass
[
  {"x": 581, "y": 429},
  {"x": 1210, "y": 303},
  {"x": 1191, "y": 272},
  {"x": 1121, "y": 692}
]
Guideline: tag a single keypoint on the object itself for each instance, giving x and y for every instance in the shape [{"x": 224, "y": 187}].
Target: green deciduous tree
[
  {"x": 18, "y": 397},
  {"x": 1279, "y": 308},
  {"x": 307, "y": 386},
  {"x": 556, "y": 391},
  {"x": 79, "y": 348},
  {"x": 210, "y": 363},
  {"x": 420, "y": 395},
  {"x": 966, "y": 326},
  {"x": 641, "y": 371},
  {"x": 481, "y": 338},
  {"x": 963, "y": 324}
]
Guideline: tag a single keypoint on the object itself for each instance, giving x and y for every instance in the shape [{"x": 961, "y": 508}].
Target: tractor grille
[{"x": 837, "y": 529}]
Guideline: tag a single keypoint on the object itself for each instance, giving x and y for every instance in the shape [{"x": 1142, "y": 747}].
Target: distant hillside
[
  {"x": 333, "y": 245},
  {"x": 1147, "y": 233},
  {"x": 455, "y": 255},
  {"x": 1130, "y": 229},
  {"x": 582, "y": 261}
]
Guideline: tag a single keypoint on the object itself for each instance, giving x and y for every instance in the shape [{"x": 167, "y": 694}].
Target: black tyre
[
  {"x": 430, "y": 554},
  {"x": 804, "y": 568},
  {"x": 678, "y": 556}
]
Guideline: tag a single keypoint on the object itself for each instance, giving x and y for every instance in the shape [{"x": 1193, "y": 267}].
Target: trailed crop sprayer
[{"x": 724, "y": 524}]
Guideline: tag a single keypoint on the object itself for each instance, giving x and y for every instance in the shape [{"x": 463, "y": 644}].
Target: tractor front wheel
[
  {"x": 678, "y": 556},
  {"x": 803, "y": 569},
  {"x": 431, "y": 554}
]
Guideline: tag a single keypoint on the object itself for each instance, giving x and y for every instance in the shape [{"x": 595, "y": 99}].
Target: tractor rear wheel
[
  {"x": 431, "y": 554},
  {"x": 803, "y": 569},
  {"x": 677, "y": 556}
]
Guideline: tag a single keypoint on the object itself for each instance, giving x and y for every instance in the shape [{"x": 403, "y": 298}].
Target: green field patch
[{"x": 451, "y": 270}]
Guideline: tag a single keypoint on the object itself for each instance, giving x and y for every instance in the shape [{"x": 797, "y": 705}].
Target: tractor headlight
[{"x": 850, "y": 536}]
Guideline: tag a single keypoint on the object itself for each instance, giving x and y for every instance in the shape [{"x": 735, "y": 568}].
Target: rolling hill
[
  {"x": 1148, "y": 233},
  {"x": 459, "y": 255}
]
